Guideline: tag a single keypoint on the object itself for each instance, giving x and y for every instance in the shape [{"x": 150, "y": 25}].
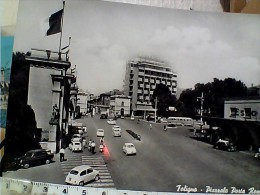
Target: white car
[
  {"x": 116, "y": 131},
  {"x": 100, "y": 133},
  {"x": 76, "y": 138},
  {"x": 171, "y": 125},
  {"x": 111, "y": 122},
  {"x": 129, "y": 148},
  {"x": 82, "y": 174},
  {"x": 75, "y": 146}
]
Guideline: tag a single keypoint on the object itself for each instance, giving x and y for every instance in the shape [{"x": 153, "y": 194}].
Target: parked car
[
  {"x": 111, "y": 122},
  {"x": 225, "y": 144},
  {"x": 116, "y": 131},
  {"x": 76, "y": 138},
  {"x": 100, "y": 133},
  {"x": 81, "y": 174},
  {"x": 171, "y": 125},
  {"x": 35, "y": 157},
  {"x": 75, "y": 146},
  {"x": 129, "y": 148}
]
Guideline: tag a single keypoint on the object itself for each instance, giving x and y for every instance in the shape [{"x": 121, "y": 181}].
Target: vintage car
[
  {"x": 76, "y": 138},
  {"x": 34, "y": 157},
  {"x": 75, "y": 146},
  {"x": 116, "y": 131},
  {"x": 225, "y": 144},
  {"x": 111, "y": 122},
  {"x": 100, "y": 133},
  {"x": 81, "y": 174},
  {"x": 129, "y": 148}
]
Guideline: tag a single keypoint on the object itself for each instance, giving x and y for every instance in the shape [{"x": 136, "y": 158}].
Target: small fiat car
[
  {"x": 225, "y": 144},
  {"x": 129, "y": 149},
  {"x": 75, "y": 146},
  {"x": 100, "y": 133},
  {"x": 111, "y": 122},
  {"x": 116, "y": 131},
  {"x": 82, "y": 174}
]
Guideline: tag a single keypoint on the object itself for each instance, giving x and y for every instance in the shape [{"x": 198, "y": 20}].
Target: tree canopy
[
  {"x": 214, "y": 95},
  {"x": 163, "y": 98}
]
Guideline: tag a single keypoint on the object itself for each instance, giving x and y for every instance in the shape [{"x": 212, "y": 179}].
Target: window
[
  {"x": 83, "y": 173},
  {"x": 90, "y": 170},
  {"x": 122, "y": 103},
  {"x": 233, "y": 112}
]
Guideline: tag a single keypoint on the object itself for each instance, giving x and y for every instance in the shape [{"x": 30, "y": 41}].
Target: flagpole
[{"x": 61, "y": 30}]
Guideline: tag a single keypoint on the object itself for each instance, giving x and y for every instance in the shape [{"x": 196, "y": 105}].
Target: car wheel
[
  {"x": 97, "y": 177},
  {"x": 81, "y": 183},
  {"x": 48, "y": 161},
  {"x": 26, "y": 166}
]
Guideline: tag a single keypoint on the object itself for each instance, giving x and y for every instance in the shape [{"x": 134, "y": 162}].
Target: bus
[{"x": 181, "y": 121}]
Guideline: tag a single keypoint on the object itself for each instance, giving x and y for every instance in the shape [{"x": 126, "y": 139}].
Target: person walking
[
  {"x": 89, "y": 145},
  {"x": 62, "y": 154},
  {"x": 164, "y": 127},
  {"x": 93, "y": 145},
  {"x": 151, "y": 126}
]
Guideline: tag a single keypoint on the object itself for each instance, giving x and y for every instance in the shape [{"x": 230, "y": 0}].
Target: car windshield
[
  {"x": 130, "y": 146},
  {"x": 101, "y": 131},
  {"x": 76, "y": 143},
  {"x": 74, "y": 172},
  {"x": 28, "y": 154}
]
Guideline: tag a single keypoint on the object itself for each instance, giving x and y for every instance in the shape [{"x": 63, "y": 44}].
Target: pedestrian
[
  {"x": 62, "y": 154},
  {"x": 151, "y": 126},
  {"x": 138, "y": 121},
  {"x": 89, "y": 145},
  {"x": 93, "y": 145},
  {"x": 102, "y": 140},
  {"x": 165, "y": 127}
]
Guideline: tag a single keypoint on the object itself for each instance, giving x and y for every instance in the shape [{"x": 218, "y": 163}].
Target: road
[{"x": 165, "y": 161}]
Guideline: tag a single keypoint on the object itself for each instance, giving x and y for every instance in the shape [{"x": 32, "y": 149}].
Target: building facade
[
  {"x": 244, "y": 109},
  {"x": 120, "y": 105},
  {"x": 49, "y": 95},
  {"x": 142, "y": 76}
]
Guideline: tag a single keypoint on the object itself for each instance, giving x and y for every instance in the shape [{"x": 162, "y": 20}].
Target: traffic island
[{"x": 136, "y": 136}]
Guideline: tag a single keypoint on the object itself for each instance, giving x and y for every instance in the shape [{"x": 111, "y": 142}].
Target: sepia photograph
[{"x": 140, "y": 99}]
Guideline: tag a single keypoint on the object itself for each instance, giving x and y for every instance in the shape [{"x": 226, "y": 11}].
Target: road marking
[{"x": 97, "y": 162}]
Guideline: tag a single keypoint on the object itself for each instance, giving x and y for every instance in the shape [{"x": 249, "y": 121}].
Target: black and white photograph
[{"x": 135, "y": 99}]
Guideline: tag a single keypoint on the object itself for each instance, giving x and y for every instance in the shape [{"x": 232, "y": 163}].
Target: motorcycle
[{"x": 101, "y": 148}]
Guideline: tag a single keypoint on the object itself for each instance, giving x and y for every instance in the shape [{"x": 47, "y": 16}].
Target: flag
[{"x": 55, "y": 23}]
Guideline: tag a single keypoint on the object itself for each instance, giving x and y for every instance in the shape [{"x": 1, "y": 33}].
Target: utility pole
[{"x": 201, "y": 110}]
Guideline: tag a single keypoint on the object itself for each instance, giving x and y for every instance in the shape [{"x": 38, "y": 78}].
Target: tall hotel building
[{"x": 142, "y": 76}]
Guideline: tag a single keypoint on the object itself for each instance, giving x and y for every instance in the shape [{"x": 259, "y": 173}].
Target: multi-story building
[{"x": 142, "y": 76}]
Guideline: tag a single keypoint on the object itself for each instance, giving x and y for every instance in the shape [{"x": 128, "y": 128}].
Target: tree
[
  {"x": 215, "y": 94},
  {"x": 162, "y": 95}
]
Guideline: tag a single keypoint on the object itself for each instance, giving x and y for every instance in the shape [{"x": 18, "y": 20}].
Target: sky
[{"x": 198, "y": 46}]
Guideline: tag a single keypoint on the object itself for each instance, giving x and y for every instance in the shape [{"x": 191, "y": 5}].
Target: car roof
[
  {"x": 81, "y": 168},
  {"x": 100, "y": 129},
  {"x": 75, "y": 142},
  {"x": 129, "y": 144},
  {"x": 36, "y": 150}
]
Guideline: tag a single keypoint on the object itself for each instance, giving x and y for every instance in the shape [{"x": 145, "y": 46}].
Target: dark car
[
  {"x": 35, "y": 157},
  {"x": 225, "y": 144}
]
